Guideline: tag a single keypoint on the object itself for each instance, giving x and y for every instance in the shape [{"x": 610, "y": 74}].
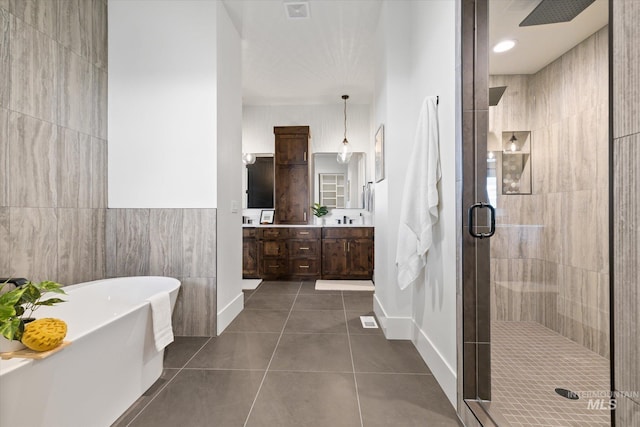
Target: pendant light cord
[{"x": 345, "y": 97}]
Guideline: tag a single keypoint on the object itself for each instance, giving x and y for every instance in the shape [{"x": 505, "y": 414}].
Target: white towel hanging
[{"x": 419, "y": 207}]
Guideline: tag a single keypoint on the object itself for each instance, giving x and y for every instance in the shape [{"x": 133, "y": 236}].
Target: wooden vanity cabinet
[
  {"x": 304, "y": 252},
  {"x": 292, "y": 174},
  {"x": 273, "y": 252},
  {"x": 347, "y": 253},
  {"x": 308, "y": 253},
  {"x": 249, "y": 254}
]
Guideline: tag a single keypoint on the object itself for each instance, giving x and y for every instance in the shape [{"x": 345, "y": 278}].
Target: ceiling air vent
[
  {"x": 554, "y": 11},
  {"x": 297, "y": 10}
]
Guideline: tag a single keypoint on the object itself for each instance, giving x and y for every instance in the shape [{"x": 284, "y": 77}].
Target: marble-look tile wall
[
  {"x": 53, "y": 139},
  {"x": 179, "y": 243},
  {"x": 626, "y": 207},
  {"x": 550, "y": 252}
]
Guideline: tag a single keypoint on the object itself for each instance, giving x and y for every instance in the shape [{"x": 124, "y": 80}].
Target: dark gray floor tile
[
  {"x": 203, "y": 398},
  {"x": 236, "y": 350},
  {"x": 259, "y": 321},
  {"x": 374, "y": 353},
  {"x": 318, "y": 302},
  {"x": 358, "y": 301},
  {"x": 312, "y": 352},
  {"x": 138, "y": 405},
  {"x": 404, "y": 400},
  {"x": 270, "y": 302},
  {"x": 293, "y": 399},
  {"x": 278, "y": 288},
  {"x": 178, "y": 353},
  {"x": 310, "y": 288},
  {"x": 355, "y": 325},
  {"x": 326, "y": 322}
]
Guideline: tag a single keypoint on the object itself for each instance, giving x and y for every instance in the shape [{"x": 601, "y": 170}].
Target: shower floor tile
[{"x": 529, "y": 361}]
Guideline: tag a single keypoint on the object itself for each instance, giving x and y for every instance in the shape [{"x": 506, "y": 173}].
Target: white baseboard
[
  {"x": 394, "y": 328},
  {"x": 444, "y": 373},
  {"x": 229, "y": 312}
]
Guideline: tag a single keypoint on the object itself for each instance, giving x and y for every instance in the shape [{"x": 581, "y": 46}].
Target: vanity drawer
[
  {"x": 303, "y": 248},
  {"x": 248, "y": 232},
  {"x": 304, "y": 267},
  {"x": 274, "y": 248},
  {"x": 304, "y": 233},
  {"x": 273, "y": 233},
  {"x": 275, "y": 267},
  {"x": 347, "y": 232}
]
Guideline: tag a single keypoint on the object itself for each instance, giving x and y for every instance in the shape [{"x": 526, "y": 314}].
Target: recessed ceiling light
[{"x": 504, "y": 46}]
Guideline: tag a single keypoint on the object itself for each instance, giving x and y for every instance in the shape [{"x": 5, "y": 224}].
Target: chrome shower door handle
[{"x": 471, "y": 222}]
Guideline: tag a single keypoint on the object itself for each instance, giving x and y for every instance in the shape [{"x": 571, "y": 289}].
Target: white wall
[
  {"x": 230, "y": 169},
  {"x": 391, "y": 93},
  {"x": 326, "y": 124},
  {"x": 175, "y": 121},
  {"x": 419, "y": 60},
  {"x": 162, "y": 104}
]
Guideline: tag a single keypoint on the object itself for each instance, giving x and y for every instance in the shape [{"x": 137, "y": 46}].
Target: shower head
[{"x": 554, "y": 11}]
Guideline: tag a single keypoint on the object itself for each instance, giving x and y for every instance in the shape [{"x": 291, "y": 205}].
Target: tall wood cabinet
[{"x": 292, "y": 174}]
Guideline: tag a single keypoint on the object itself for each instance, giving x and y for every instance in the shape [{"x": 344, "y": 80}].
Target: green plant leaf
[
  {"x": 11, "y": 297},
  {"x": 50, "y": 301},
  {"x": 31, "y": 293},
  {"x": 10, "y": 328},
  {"x": 7, "y": 312},
  {"x": 49, "y": 286}
]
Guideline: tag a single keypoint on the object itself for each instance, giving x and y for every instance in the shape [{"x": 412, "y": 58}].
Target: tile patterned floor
[
  {"x": 294, "y": 357},
  {"x": 528, "y": 362}
]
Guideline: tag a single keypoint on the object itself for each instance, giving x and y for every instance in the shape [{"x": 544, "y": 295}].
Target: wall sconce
[{"x": 248, "y": 158}]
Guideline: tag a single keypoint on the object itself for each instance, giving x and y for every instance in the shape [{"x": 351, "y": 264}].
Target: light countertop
[{"x": 304, "y": 225}]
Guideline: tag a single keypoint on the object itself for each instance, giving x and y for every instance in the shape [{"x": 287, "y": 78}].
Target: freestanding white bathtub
[{"x": 111, "y": 362}]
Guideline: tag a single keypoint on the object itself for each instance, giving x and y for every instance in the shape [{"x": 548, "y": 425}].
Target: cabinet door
[
  {"x": 360, "y": 255},
  {"x": 274, "y": 248},
  {"x": 334, "y": 258},
  {"x": 249, "y": 258},
  {"x": 292, "y": 149},
  {"x": 292, "y": 194}
]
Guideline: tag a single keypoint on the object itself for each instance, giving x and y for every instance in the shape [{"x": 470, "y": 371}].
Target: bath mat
[
  {"x": 344, "y": 285},
  {"x": 250, "y": 284}
]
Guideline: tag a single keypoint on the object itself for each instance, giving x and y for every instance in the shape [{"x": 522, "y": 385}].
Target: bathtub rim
[{"x": 10, "y": 365}]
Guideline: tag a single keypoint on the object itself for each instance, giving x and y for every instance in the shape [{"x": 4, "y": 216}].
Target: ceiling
[
  {"x": 316, "y": 60},
  {"x": 306, "y": 61},
  {"x": 539, "y": 45}
]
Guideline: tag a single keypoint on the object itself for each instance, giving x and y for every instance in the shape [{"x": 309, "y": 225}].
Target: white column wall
[
  {"x": 230, "y": 299},
  {"x": 419, "y": 60},
  {"x": 162, "y": 104}
]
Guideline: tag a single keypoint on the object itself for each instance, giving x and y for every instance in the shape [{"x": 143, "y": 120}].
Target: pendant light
[
  {"x": 513, "y": 140},
  {"x": 344, "y": 155}
]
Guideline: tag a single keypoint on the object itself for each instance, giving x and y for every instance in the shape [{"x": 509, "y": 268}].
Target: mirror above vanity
[{"x": 337, "y": 185}]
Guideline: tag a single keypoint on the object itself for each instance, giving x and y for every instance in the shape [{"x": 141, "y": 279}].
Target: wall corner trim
[
  {"x": 230, "y": 312},
  {"x": 442, "y": 371},
  {"x": 394, "y": 328}
]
